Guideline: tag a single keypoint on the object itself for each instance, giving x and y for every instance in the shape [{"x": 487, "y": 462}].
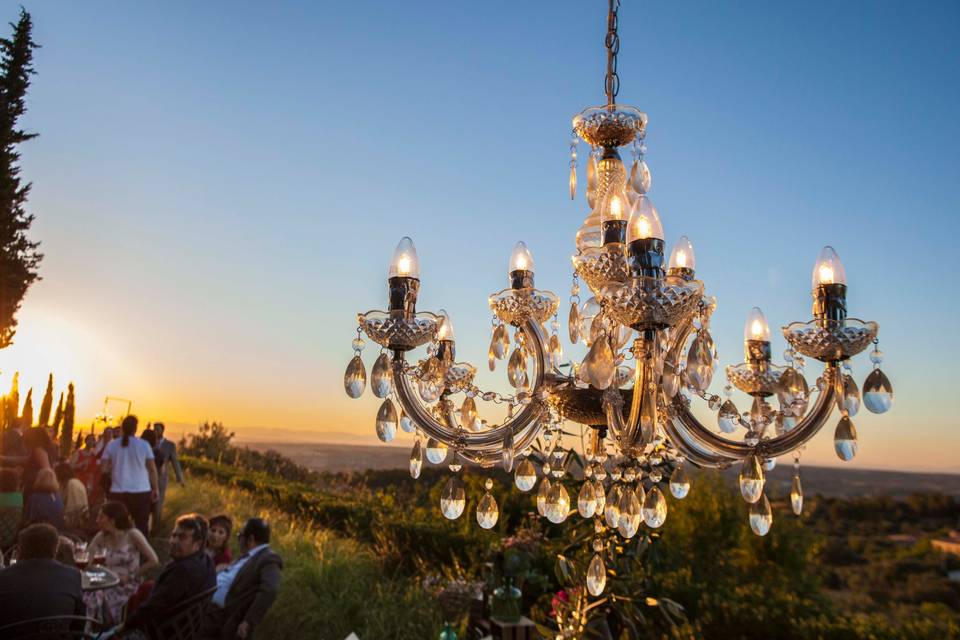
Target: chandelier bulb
[
  {"x": 644, "y": 220},
  {"x": 828, "y": 269},
  {"x": 683, "y": 260},
  {"x": 521, "y": 266},
  {"x": 756, "y": 327},
  {"x": 445, "y": 332},
  {"x": 405, "y": 262}
]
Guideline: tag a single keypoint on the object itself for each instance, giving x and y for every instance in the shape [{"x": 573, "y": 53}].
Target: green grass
[{"x": 331, "y": 585}]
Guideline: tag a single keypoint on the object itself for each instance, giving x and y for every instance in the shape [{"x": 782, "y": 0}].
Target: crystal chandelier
[{"x": 646, "y": 324}]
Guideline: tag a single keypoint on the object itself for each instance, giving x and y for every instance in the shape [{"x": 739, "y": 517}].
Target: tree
[
  {"x": 19, "y": 257},
  {"x": 26, "y": 417},
  {"x": 58, "y": 416},
  {"x": 69, "y": 411},
  {"x": 47, "y": 404},
  {"x": 11, "y": 403}
]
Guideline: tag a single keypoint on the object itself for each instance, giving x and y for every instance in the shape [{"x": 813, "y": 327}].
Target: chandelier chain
[{"x": 612, "y": 42}]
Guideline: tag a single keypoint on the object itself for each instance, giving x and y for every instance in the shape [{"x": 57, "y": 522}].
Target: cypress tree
[
  {"x": 47, "y": 404},
  {"x": 66, "y": 439},
  {"x": 19, "y": 257},
  {"x": 58, "y": 416},
  {"x": 11, "y": 404},
  {"x": 26, "y": 417}
]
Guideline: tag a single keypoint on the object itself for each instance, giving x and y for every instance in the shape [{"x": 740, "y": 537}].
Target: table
[{"x": 97, "y": 578}]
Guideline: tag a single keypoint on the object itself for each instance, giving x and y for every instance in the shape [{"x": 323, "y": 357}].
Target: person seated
[
  {"x": 189, "y": 572},
  {"x": 127, "y": 553},
  {"x": 38, "y": 586},
  {"x": 75, "y": 505},
  {"x": 247, "y": 588},
  {"x": 218, "y": 541},
  {"x": 11, "y": 507},
  {"x": 45, "y": 503}
]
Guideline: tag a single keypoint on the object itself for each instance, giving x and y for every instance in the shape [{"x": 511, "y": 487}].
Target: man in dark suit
[
  {"x": 190, "y": 572},
  {"x": 247, "y": 588},
  {"x": 38, "y": 586},
  {"x": 168, "y": 453}
]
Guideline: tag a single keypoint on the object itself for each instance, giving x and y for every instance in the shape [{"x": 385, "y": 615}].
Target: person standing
[
  {"x": 168, "y": 452},
  {"x": 45, "y": 504},
  {"x": 133, "y": 474}
]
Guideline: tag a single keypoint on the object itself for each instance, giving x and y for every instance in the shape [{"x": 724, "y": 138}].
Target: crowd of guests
[{"x": 104, "y": 500}]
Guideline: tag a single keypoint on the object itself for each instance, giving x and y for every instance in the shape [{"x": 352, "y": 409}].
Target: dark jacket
[
  {"x": 180, "y": 580},
  {"x": 250, "y": 596},
  {"x": 37, "y": 589},
  {"x": 43, "y": 506}
]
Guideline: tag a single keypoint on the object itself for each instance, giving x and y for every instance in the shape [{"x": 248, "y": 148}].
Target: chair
[
  {"x": 53, "y": 628},
  {"x": 182, "y": 622},
  {"x": 9, "y": 525}
]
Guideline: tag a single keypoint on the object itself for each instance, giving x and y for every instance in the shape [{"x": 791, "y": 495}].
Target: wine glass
[{"x": 81, "y": 557}]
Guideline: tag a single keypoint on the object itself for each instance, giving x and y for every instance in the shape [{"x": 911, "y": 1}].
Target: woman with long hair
[
  {"x": 218, "y": 541},
  {"x": 127, "y": 553},
  {"x": 39, "y": 456},
  {"x": 45, "y": 503},
  {"x": 133, "y": 473}
]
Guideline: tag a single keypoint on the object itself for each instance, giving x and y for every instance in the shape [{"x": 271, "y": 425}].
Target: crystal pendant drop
[
  {"x": 598, "y": 367},
  {"x": 491, "y": 359},
  {"x": 796, "y": 495},
  {"x": 573, "y": 325},
  {"x": 851, "y": 396},
  {"x": 700, "y": 360},
  {"x": 670, "y": 381},
  {"x": 436, "y": 451},
  {"x": 679, "y": 482},
  {"x": 587, "y": 500},
  {"x": 655, "y": 508},
  {"x": 728, "y": 418},
  {"x": 793, "y": 388},
  {"x": 557, "y": 507},
  {"x": 500, "y": 341},
  {"x": 429, "y": 391},
  {"x": 468, "y": 414},
  {"x": 761, "y": 516},
  {"x": 556, "y": 351},
  {"x": 517, "y": 369},
  {"x": 591, "y": 181},
  {"x": 596, "y": 576},
  {"x": 381, "y": 377},
  {"x": 416, "y": 460},
  {"x": 542, "y": 494},
  {"x": 628, "y": 522},
  {"x": 751, "y": 479},
  {"x": 599, "y": 495},
  {"x": 355, "y": 378},
  {"x": 845, "y": 440},
  {"x": 573, "y": 182},
  {"x": 525, "y": 476},
  {"x": 506, "y": 459},
  {"x": 453, "y": 498},
  {"x": 406, "y": 423},
  {"x": 877, "y": 392},
  {"x": 487, "y": 511},
  {"x": 387, "y": 421},
  {"x": 611, "y": 509},
  {"x": 640, "y": 178}
]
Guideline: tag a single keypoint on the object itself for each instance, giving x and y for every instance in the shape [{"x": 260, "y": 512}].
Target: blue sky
[{"x": 219, "y": 187}]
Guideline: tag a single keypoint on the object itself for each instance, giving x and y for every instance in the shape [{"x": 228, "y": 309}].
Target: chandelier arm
[
  {"x": 485, "y": 460},
  {"x": 799, "y": 435},
  {"x": 691, "y": 451},
  {"x": 626, "y": 429},
  {"x": 492, "y": 439}
]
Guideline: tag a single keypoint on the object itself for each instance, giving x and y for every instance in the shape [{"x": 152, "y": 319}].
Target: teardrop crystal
[
  {"x": 700, "y": 361},
  {"x": 851, "y": 396},
  {"x": 558, "y": 503},
  {"x": 573, "y": 325},
  {"x": 845, "y": 440},
  {"x": 679, "y": 482},
  {"x": 436, "y": 451},
  {"x": 655, "y": 508},
  {"x": 506, "y": 459},
  {"x": 611, "y": 509},
  {"x": 381, "y": 377},
  {"x": 556, "y": 351},
  {"x": 598, "y": 367},
  {"x": 416, "y": 460},
  {"x": 500, "y": 341},
  {"x": 761, "y": 516},
  {"x": 640, "y": 178},
  {"x": 793, "y": 391},
  {"x": 751, "y": 479},
  {"x": 728, "y": 418},
  {"x": 453, "y": 498},
  {"x": 670, "y": 381},
  {"x": 491, "y": 359},
  {"x": 487, "y": 511},
  {"x": 542, "y": 494},
  {"x": 355, "y": 378},
  {"x": 596, "y": 575},
  {"x": 630, "y": 513},
  {"x": 877, "y": 392},
  {"x": 429, "y": 391},
  {"x": 591, "y": 175},
  {"x": 387, "y": 421},
  {"x": 573, "y": 182},
  {"x": 587, "y": 500},
  {"x": 601, "y": 498},
  {"x": 406, "y": 423},
  {"x": 796, "y": 495},
  {"x": 517, "y": 369},
  {"x": 468, "y": 414},
  {"x": 525, "y": 476}
]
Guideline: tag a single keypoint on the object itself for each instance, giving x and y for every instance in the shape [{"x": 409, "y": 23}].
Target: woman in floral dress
[{"x": 128, "y": 554}]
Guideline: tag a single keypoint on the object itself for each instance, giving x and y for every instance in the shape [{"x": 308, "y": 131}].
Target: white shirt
[
  {"x": 128, "y": 465},
  {"x": 226, "y": 577}
]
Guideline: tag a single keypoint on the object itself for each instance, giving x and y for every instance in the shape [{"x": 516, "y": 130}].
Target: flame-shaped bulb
[{"x": 405, "y": 262}]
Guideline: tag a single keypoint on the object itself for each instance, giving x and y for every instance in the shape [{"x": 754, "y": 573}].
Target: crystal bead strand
[{"x": 573, "y": 165}]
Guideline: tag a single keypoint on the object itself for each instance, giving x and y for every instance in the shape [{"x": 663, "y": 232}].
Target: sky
[{"x": 218, "y": 188}]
